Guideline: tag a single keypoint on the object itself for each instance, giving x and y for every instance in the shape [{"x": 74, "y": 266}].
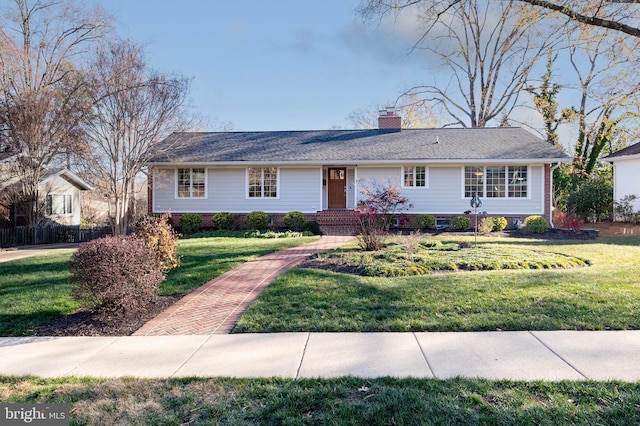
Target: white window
[
  {"x": 58, "y": 204},
  {"x": 191, "y": 183},
  {"x": 262, "y": 182},
  {"x": 414, "y": 177},
  {"x": 496, "y": 181}
]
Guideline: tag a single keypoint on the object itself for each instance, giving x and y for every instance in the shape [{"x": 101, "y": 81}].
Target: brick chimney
[{"x": 389, "y": 120}]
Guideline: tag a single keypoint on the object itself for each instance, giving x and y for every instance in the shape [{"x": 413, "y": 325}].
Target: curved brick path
[{"x": 215, "y": 307}]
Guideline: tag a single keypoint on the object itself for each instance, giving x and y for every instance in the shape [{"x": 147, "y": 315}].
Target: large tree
[
  {"x": 134, "y": 108},
  {"x": 43, "y": 97},
  {"x": 620, "y": 15},
  {"x": 486, "y": 50}
]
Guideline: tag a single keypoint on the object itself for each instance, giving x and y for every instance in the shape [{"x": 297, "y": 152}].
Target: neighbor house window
[
  {"x": 58, "y": 204},
  {"x": 414, "y": 177},
  {"x": 263, "y": 182},
  {"x": 191, "y": 183},
  {"x": 496, "y": 181}
]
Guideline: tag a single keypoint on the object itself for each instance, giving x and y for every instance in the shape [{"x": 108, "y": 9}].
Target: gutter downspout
[{"x": 553, "y": 168}]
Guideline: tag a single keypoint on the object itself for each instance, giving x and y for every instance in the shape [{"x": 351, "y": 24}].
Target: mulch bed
[{"x": 95, "y": 322}]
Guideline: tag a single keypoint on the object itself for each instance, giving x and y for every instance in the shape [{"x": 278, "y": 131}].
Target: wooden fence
[{"x": 49, "y": 234}]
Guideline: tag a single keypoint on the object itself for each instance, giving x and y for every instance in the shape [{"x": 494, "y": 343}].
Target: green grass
[
  {"x": 348, "y": 401},
  {"x": 605, "y": 295},
  {"x": 415, "y": 255},
  {"x": 34, "y": 291}
]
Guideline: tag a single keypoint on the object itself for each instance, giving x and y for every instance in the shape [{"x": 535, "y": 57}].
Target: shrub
[
  {"x": 460, "y": 222},
  {"x": 294, "y": 220},
  {"x": 224, "y": 220},
  {"x": 312, "y": 227},
  {"x": 426, "y": 221},
  {"x": 190, "y": 222},
  {"x": 499, "y": 223},
  {"x": 465, "y": 244},
  {"x": 376, "y": 209},
  {"x": 118, "y": 273},
  {"x": 536, "y": 224},
  {"x": 624, "y": 210},
  {"x": 257, "y": 220},
  {"x": 486, "y": 225},
  {"x": 161, "y": 240}
]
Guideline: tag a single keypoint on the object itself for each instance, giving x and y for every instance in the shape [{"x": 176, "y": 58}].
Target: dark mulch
[{"x": 96, "y": 322}]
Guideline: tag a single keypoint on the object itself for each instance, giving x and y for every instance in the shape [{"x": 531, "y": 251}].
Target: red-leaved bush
[
  {"x": 376, "y": 207},
  {"x": 117, "y": 273}
]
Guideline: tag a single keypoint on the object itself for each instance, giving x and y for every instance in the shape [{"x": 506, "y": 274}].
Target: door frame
[{"x": 332, "y": 184}]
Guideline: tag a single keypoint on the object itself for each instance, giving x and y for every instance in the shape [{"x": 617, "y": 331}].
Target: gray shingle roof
[
  {"x": 630, "y": 150},
  {"x": 356, "y": 145}
]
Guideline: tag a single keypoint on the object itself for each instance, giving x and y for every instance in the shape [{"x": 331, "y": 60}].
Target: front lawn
[
  {"x": 34, "y": 291},
  {"x": 348, "y": 401},
  {"x": 604, "y": 295}
]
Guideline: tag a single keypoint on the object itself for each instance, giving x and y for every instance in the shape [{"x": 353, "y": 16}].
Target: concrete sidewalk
[
  {"x": 7, "y": 255},
  {"x": 519, "y": 355}
]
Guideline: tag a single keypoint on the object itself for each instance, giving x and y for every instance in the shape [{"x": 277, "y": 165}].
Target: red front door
[{"x": 337, "y": 188}]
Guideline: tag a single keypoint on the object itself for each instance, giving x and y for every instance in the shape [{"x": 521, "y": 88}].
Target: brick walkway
[{"x": 215, "y": 307}]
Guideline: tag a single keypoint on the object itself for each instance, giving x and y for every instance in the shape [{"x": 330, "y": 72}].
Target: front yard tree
[
  {"x": 43, "y": 97},
  {"x": 488, "y": 49},
  {"x": 134, "y": 108},
  {"x": 617, "y": 15}
]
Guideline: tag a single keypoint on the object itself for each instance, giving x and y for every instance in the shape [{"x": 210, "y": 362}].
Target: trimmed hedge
[
  {"x": 190, "y": 222},
  {"x": 294, "y": 221},
  {"x": 460, "y": 222},
  {"x": 224, "y": 220},
  {"x": 426, "y": 221},
  {"x": 257, "y": 220},
  {"x": 536, "y": 224}
]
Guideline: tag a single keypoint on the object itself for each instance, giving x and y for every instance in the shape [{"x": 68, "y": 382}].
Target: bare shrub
[
  {"x": 376, "y": 209},
  {"x": 118, "y": 273}
]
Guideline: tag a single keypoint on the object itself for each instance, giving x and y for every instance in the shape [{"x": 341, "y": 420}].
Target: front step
[{"x": 338, "y": 222}]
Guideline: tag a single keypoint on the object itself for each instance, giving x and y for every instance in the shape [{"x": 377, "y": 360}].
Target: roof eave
[{"x": 366, "y": 162}]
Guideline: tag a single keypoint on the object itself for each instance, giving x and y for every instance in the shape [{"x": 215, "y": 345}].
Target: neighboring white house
[
  {"x": 316, "y": 172},
  {"x": 59, "y": 191},
  {"x": 626, "y": 173}
]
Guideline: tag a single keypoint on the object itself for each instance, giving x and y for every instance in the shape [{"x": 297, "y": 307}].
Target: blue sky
[{"x": 273, "y": 65}]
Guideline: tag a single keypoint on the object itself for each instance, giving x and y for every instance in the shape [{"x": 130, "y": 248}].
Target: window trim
[
  {"x": 426, "y": 177},
  {"x": 177, "y": 181},
  {"x": 247, "y": 183},
  {"x": 507, "y": 188},
  {"x": 49, "y": 204}
]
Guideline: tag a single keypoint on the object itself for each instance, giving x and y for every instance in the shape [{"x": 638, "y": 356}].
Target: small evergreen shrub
[
  {"x": 426, "y": 221},
  {"x": 119, "y": 273},
  {"x": 257, "y": 220},
  {"x": 499, "y": 223},
  {"x": 536, "y": 224},
  {"x": 312, "y": 226},
  {"x": 294, "y": 221},
  {"x": 190, "y": 222},
  {"x": 161, "y": 240},
  {"x": 460, "y": 222},
  {"x": 465, "y": 244},
  {"x": 486, "y": 225},
  {"x": 224, "y": 220}
]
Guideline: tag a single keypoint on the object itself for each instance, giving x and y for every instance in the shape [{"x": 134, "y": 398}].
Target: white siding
[
  {"x": 445, "y": 191},
  {"x": 226, "y": 189},
  {"x": 626, "y": 175},
  {"x": 60, "y": 186}
]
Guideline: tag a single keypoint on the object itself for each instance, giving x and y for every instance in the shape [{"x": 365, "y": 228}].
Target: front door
[{"x": 337, "y": 188}]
